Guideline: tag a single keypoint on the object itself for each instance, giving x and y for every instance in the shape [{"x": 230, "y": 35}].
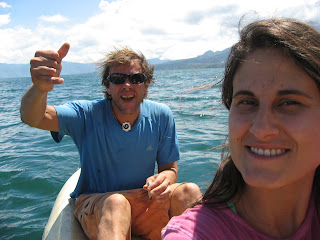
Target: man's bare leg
[
  {"x": 115, "y": 218},
  {"x": 183, "y": 196}
]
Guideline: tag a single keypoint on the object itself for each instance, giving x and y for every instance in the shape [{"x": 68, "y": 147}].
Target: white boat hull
[{"x": 62, "y": 224}]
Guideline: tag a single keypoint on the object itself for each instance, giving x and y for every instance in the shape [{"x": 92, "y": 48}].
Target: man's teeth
[
  {"x": 129, "y": 96},
  {"x": 267, "y": 152}
]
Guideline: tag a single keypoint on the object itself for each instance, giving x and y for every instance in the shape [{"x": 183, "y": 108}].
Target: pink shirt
[{"x": 200, "y": 223}]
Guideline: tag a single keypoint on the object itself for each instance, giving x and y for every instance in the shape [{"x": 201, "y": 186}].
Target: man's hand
[
  {"x": 46, "y": 66},
  {"x": 45, "y": 69},
  {"x": 157, "y": 186}
]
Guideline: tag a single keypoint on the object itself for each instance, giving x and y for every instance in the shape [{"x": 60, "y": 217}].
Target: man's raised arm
[{"x": 45, "y": 69}]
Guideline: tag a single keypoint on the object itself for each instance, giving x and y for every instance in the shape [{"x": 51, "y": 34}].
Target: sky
[{"x": 164, "y": 29}]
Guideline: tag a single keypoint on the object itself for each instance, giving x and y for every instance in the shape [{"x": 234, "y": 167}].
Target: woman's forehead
[{"x": 269, "y": 69}]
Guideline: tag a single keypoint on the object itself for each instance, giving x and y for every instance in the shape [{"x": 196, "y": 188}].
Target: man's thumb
[{"x": 63, "y": 50}]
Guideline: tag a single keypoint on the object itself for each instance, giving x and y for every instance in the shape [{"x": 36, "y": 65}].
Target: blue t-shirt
[{"x": 110, "y": 158}]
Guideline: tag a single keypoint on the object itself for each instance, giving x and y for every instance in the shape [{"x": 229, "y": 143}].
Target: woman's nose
[{"x": 264, "y": 124}]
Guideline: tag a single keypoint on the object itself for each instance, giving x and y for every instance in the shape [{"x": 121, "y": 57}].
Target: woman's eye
[
  {"x": 247, "y": 102},
  {"x": 290, "y": 103},
  {"x": 246, "y": 105},
  {"x": 290, "y": 106}
]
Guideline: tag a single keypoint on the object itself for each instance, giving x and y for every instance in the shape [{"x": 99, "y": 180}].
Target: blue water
[{"x": 33, "y": 168}]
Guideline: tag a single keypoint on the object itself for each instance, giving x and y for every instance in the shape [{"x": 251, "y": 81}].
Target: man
[{"x": 119, "y": 139}]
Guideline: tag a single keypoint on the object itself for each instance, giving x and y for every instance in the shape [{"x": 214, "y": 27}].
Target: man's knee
[
  {"x": 184, "y": 196},
  {"x": 188, "y": 192},
  {"x": 116, "y": 202}
]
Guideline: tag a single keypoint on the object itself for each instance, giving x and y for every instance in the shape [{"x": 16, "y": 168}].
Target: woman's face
[{"x": 274, "y": 121}]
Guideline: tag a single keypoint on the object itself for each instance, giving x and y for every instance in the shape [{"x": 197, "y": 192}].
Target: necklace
[{"x": 126, "y": 126}]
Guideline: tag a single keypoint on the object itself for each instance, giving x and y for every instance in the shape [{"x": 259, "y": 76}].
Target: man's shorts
[{"x": 148, "y": 217}]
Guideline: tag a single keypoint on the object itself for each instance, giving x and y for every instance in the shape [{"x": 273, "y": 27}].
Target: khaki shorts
[{"x": 148, "y": 217}]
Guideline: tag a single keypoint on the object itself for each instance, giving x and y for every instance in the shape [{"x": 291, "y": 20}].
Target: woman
[{"x": 268, "y": 185}]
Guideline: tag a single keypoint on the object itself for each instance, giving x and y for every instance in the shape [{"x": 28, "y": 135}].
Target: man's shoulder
[
  {"x": 88, "y": 104},
  {"x": 155, "y": 106}
]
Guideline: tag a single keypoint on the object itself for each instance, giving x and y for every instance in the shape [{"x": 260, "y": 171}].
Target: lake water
[{"x": 33, "y": 168}]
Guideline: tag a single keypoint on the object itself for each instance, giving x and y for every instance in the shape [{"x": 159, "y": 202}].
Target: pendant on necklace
[{"x": 126, "y": 126}]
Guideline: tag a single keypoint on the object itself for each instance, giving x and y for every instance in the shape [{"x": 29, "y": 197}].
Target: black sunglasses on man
[{"x": 120, "y": 78}]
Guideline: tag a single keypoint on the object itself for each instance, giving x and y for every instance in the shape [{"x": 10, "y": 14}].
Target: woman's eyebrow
[
  {"x": 243, "y": 92},
  {"x": 280, "y": 93},
  {"x": 292, "y": 92}
]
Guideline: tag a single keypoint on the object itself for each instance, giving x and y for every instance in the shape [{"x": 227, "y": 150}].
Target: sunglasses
[{"x": 120, "y": 78}]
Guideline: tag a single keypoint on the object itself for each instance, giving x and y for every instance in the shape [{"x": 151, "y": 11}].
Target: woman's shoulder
[
  {"x": 200, "y": 222},
  {"x": 209, "y": 213}
]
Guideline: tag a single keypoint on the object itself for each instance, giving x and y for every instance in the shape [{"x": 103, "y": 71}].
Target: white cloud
[
  {"x": 19, "y": 50},
  {"x": 4, "y": 5},
  {"x": 54, "y": 19},
  {"x": 163, "y": 29},
  {"x": 157, "y": 28},
  {"x": 168, "y": 29},
  {"x": 4, "y": 19}
]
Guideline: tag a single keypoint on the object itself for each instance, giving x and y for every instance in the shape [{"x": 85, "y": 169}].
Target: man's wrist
[{"x": 173, "y": 170}]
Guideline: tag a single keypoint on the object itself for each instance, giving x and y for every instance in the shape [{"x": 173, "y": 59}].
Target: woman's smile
[{"x": 267, "y": 152}]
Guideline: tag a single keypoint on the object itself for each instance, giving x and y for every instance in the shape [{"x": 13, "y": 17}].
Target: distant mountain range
[{"x": 209, "y": 59}]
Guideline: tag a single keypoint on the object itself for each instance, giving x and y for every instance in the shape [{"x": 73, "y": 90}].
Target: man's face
[{"x": 126, "y": 97}]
